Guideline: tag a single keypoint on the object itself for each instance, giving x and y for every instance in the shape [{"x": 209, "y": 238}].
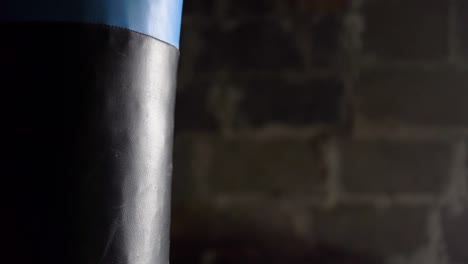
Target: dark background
[{"x": 321, "y": 131}]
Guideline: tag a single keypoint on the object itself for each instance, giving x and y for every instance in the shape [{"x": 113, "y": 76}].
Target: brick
[
  {"x": 325, "y": 6},
  {"x": 263, "y": 101},
  {"x": 199, "y": 7},
  {"x": 185, "y": 187},
  {"x": 257, "y": 233},
  {"x": 192, "y": 111},
  {"x": 266, "y": 168},
  {"x": 256, "y": 221},
  {"x": 259, "y": 8},
  {"x": 406, "y": 29},
  {"x": 370, "y": 232},
  {"x": 417, "y": 97},
  {"x": 324, "y": 38},
  {"x": 251, "y": 45},
  {"x": 395, "y": 167},
  {"x": 252, "y": 233},
  {"x": 462, "y": 17},
  {"x": 455, "y": 232},
  {"x": 291, "y": 102},
  {"x": 253, "y": 221},
  {"x": 190, "y": 44}
]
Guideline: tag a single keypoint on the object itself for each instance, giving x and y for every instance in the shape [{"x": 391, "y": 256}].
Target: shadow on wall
[
  {"x": 232, "y": 251},
  {"x": 203, "y": 241},
  {"x": 261, "y": 80}
]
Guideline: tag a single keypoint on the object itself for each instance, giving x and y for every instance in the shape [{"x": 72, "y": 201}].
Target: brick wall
[{"x": 322, "y": 131}]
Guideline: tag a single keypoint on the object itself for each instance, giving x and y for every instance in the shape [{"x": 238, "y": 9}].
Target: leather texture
[{"x": 87, "y": 120}]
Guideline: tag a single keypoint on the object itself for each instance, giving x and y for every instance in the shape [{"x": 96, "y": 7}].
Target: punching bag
[{"x": 86, "y": 140}]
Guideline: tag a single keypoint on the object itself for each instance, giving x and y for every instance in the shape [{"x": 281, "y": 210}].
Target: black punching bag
[{"x": 87, "y": 98}]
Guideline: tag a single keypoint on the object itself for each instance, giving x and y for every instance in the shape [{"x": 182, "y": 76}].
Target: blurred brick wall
[{"x": 322, "y": 131}]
